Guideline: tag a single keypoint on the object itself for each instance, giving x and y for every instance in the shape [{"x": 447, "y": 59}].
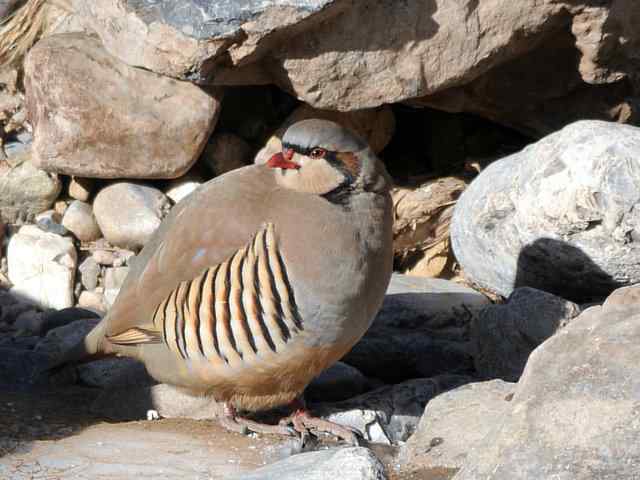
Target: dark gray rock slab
[
  {"x": 505, "y": 335},
  {"x": 561, "y": 216}
]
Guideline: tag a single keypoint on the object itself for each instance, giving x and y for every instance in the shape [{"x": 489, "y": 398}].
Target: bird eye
[{"x": 318, "y": 153}]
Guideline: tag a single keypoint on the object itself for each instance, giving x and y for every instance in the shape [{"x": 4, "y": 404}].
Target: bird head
[{"x": 324, "y": 158}]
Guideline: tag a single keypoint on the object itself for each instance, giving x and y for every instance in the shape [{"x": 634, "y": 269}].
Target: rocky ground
[{"x": 506, "y": 346}]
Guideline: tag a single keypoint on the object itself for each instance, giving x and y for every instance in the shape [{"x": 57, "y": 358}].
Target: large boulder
[
  {"x": 574, "y": 414},
  {"x": 559, "y": 216},
  {"x": 95, "y": 116}
]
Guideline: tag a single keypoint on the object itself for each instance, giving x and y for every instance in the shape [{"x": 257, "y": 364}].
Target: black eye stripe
[{"x": 330, "y": 156}]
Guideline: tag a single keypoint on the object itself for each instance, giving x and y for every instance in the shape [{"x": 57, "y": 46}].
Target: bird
[{"x": 261, "y": 279}]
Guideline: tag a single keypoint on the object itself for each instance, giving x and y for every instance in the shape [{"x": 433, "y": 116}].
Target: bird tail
[{"x": 22, "y": 28}]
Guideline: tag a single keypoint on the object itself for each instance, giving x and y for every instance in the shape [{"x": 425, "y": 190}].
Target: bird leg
[
  {"x": 231, "y": 421},
  {"x": 304, "y": 423}
]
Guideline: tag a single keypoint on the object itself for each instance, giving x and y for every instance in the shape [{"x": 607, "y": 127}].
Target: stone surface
[
  {"x": 355, "y": 463},
  {"x": 184, "y": 39},
  {"x": 24, "y": 189},
  {"x": 505, "y": 335},
  {"x": 42, "y": 267},
  {"x": 338, "y": 382},
  {"x": 79, "y": 219},
  {"x": 110, "y": 372},
  {"x": 422, "y": 330},
  {"x": 93, "y": 300},
  {"x": 574, "y": 414},
  {"x": 225, "y": 152},
  {"x": 456, "y": 422},
  {"x": 389, "y": 414},
  {"x": 97, "y": 117},
  {"x": 129, "y": 213},
  {"x": 165, "y": 450},
  {"x": 113, "y": 280},
  {"x": 559, "y": 216},
  {"x": 62, "y": 339},
  {"x": 81, "y": 188},
  {"x": 376, "y": 126},
  {"x": 89, "y": 272}
]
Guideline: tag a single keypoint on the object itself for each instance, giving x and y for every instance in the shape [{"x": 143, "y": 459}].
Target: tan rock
[
  {"x": 376, "y": 125},
  {"x": 97, "y": 117},
  {"x": 80, "y": 221}
]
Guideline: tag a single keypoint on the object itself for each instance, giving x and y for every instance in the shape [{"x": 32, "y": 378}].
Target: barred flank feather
[{"x": 20, "y": 30}]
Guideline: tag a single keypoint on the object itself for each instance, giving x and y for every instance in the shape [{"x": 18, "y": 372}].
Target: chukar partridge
[{"x": 261, "y": 278}]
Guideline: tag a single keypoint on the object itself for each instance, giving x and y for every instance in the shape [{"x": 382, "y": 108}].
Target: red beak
[{"x": 280, "y": 160}]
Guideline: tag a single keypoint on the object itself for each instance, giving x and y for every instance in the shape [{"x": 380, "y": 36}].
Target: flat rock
[
  {"x": 94, "y": 116},
  {"x": 89, "y": 273},
  {"x": 454, "y": 423},
  {"x": 355, "y": 463},
  {"x": 25, "y": 190},
  {"x": 42, "y": 267},
  {"x": 559, "y": 216},
  {"x": 505, "y": 335},
  {"x": 129, "y": 213},
  {"x": 163, "y": 450},
  {"x": 574, "y": 414},
  {"x": 79, "y": 219}
]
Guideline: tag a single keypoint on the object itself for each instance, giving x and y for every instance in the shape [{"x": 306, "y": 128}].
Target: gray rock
[
  {"x": 42, "y": 267},
  {"x": 114, "y": 373},
  {"x": 389, "y": 414},
  {"x": 129, "y": 213},
  {"x": 104, "y": 257},
  {"x": 422, "y": 330},
  {"x": 113, "y": 280},
  {"x": 355, "y": 463},
  {"x": 94, "y": 116},
  {"x": 21, "y": 367},
  {"x": 454, "y": 423},
  {"x": 338, "y": 382},
  {"x": 505, "y": 335},
  {"x": 30, "y": 321},
  {"x": 24, "y": 189},
  {"x": 574, "y": 414},
  {"x": 89, "y": 273},
  {"x": 559, "y": 216},
  {"x": 79, "y": 219},
  {"x": 49, "y": 221},
  {"x": 92, "y": 300},
  {"x": 62, "y": 339}
]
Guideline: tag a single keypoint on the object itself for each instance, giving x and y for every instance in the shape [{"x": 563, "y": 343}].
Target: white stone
[{"x": 42, "y": 267}]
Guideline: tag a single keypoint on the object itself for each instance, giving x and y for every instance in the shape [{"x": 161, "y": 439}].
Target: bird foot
[
  {"x": 304, "y": 423},
  {"x": 232, "y": 422}
]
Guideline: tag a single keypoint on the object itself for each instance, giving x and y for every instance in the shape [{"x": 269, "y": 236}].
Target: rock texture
[
  {"x": 505, "y": 335},
  {"x": 575, "y": 411},
  {"x": 42, "y": 267},
  {"x": 129, "y": 213},
  {"x": 559, "y": 216},
  {"x": 97, "y": 117},
  {"x": 456, "y": 422},
  {"x": 225, "y": 152},
  {"x": 25, "y": 190},
  {"x": 184, "y": 39},
  {"x": 354, "y": 463},
  {"x": 78, "y": 219}
]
